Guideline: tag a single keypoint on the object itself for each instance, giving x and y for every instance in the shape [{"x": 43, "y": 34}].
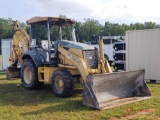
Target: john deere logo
[{"x": 73, "y": 58}]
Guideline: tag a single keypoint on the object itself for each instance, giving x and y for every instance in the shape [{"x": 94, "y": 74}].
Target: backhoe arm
[{"x": 20, "y": 44}]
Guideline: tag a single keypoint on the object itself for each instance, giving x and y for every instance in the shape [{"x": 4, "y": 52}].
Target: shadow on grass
[
  {"x": 3, "y": 79},
  {"x": 43, "y": 100},
  {"x": 15, "y": 94},
  {"x": 63, "y": 105},
  {"x": 69, "y": 106}
]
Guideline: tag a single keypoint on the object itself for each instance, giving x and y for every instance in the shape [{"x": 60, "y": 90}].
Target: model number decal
[{"x": 73, "y": 58}]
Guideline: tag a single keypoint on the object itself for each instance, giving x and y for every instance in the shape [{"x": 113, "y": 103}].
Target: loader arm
[
  {"x": 76, "y": 62},
  {"x": 103, "y": 65}
]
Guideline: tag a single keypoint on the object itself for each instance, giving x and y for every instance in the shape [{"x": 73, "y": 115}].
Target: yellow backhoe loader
[{"x": 65, "y": 60}]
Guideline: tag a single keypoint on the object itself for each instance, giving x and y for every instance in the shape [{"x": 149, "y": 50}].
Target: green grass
[
  {"x": 0, "y": 62},
  {"x": 18, "y": 103}
]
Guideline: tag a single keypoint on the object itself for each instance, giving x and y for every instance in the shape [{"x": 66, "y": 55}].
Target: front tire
[
  {"x": 62, "y": 83},
  {"x": 29, "y": 76}
]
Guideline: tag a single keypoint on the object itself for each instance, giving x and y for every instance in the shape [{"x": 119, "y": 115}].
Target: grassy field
[
  {"x": 18, "y": 103},
  {"x": 0, "y": 62}
]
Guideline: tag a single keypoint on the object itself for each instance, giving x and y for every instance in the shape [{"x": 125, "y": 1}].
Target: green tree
[
  {"x": 87, "y": 29},
  {"x": 149, "y": 25},
  {"x": 84, "y": 31}
]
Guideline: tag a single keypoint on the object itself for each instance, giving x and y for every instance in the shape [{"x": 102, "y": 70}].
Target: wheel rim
[
  {"x": 27, "y": 75},
  {"x": 59, "y": 84}
]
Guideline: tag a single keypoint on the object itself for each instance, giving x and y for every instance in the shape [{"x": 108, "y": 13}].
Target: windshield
[
  {"x": 67, "y": 32},
  {"x": 63, "y": 33}
]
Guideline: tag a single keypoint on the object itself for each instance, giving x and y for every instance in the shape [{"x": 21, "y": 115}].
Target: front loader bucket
[
  {"x": 103, "y": 91},
  {"x": 12, "y": 72}
]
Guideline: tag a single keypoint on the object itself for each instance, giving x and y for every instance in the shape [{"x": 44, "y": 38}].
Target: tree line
[{"x": 84, "y": 30}]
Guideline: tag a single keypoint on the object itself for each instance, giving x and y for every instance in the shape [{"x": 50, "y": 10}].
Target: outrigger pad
[
  {"x": 103, "y": 91},
  {"x": 12, "y": 72}
]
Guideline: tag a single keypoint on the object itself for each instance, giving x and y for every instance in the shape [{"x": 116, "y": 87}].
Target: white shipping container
[
  {"x": 6, "y": 46},
  {"x": 142, "y": 52}
]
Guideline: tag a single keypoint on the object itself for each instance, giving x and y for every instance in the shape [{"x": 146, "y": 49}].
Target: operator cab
[{"x": 47, "y": 48}]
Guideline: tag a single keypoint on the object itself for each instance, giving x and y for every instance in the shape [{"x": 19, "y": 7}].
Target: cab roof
[{"x": 52, "y": 20}]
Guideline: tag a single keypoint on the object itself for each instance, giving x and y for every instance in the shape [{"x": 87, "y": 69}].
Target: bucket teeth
[{"x": 103, "y": 91}]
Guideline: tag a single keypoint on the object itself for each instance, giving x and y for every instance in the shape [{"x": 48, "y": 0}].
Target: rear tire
[
  {"x": 29, "y": 76},
  {"x": 62, "y": 83}
]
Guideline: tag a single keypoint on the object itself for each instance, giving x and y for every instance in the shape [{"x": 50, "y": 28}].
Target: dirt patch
[
  {"x": 132, "y": 116},
  {"x": 147, "y": 111}
]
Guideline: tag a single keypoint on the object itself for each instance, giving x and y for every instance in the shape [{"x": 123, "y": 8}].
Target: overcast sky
[{"x": 115, "y": 11}]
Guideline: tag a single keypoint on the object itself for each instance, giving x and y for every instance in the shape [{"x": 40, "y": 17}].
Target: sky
[{"x": 114, "y": 11}]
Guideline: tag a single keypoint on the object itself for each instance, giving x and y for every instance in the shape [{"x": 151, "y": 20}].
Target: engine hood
[{"x": 72, "y": 44}]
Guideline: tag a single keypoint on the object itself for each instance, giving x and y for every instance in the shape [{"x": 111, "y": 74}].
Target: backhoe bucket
[
  {"x": 104, "y": 91},
  {"x": 12, "y": 72}
]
